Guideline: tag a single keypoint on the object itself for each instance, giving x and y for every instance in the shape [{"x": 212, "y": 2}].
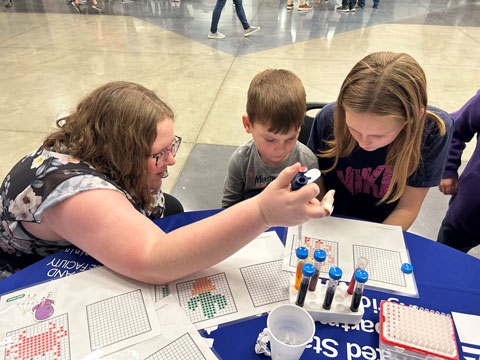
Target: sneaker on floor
[
  {"x": 304, "y": 7},
  {"x": 289, "y": 6},
  {"x": 217, "y": 35},
  {"x": 352, "y": 10},
  {"x": 375, "y": 6},
  {"x": 98, "y": 6},
  {"x": 343, "y": 9},
  {"x": 75, "y": 6},
  {"x": 251, "y": 30}
]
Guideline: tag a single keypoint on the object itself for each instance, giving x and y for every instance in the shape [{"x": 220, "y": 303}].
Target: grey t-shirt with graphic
[{"x": 248, "y": 174}]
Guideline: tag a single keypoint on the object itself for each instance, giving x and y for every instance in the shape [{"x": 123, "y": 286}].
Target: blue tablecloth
[{"x": 447, "y": 280}]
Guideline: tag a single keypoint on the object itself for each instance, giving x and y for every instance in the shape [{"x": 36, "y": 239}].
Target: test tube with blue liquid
[
  {"x": 307, "y": 272},
  {"x": 319, "y": 256},
  {"x": 361, "y": 277},
  {"x": 335, "y": 274}
]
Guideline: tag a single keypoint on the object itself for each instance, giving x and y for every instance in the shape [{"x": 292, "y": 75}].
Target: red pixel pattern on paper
[
  {"x": 313, "y": 244},
  {"x": 40, "y": 341}
]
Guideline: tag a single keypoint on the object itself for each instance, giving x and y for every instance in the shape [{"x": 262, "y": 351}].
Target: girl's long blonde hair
[
  {"x": 113, "y": 130},
  {"x": 385, "y": 84}
]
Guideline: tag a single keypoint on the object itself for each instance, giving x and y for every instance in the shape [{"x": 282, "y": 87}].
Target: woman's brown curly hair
[{"x": 113, "y": 129}]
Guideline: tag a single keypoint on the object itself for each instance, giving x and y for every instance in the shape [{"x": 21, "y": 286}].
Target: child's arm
[
  {"x": 466, "y": 125},
  {"x": 407, "y": 208}
]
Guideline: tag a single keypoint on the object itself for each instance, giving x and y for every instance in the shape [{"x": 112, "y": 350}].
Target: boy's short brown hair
[{"x": 276, "y": 98}]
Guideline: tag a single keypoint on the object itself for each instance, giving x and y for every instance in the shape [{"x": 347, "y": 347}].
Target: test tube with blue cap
[
  {"x": 362, "y": 263},
  {"x": 307, "y": 272},
  {"x": 361, "y": 277},
  {"x": 335, "y": 274},
  {"x": 302, "y": 254},
  {"x": 319, "y": 256}
]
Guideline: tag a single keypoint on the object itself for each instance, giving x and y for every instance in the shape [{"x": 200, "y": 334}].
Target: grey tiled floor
[{"x": 199, "y": 187}]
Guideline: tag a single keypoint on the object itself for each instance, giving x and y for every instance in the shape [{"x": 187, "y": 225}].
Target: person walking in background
[
  {"x": 7, "y": 3},
  {"x": 217, "y": 11},
  {"x": 460, "y": 228},
  {"x": 302, "y": 6},
  {"x": 361, "y": 4}
]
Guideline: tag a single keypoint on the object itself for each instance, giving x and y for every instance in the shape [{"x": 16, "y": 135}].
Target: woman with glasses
[{"x": 96, "y": 183}]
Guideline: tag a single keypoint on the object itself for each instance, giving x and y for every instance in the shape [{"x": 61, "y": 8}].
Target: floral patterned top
[{"x": 39, "y": 181}]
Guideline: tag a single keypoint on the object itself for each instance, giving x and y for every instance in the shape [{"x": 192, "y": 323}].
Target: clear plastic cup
[{"x": 291, "y": 328}]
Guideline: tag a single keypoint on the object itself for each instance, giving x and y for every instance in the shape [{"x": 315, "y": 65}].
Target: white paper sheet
[
  {"x": 346, "y": 240},
  {"x": 468, "y": 327},
  {"x": 179, "y": 340},
  {"x": 249, "y": 282},
  {"x": 68, "y": 318}
]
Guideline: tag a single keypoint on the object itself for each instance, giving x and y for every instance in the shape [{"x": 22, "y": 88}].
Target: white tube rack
[{"x": 339, "y": 312}]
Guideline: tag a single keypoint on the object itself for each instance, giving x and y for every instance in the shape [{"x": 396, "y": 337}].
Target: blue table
[{"x": 447, "y": 280}]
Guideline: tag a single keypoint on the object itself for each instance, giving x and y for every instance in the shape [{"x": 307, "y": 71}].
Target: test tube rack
[
  {"x": 339, "y": 312},
  {"x": 409, "y": 332}
]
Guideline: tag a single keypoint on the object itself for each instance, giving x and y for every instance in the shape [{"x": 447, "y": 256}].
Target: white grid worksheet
[
  {"x": 262, "y": 281},
  {"x": 117, "y": 318}
]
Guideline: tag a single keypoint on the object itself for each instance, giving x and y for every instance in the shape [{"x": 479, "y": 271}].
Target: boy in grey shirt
[{"x": 276, "y": 104}]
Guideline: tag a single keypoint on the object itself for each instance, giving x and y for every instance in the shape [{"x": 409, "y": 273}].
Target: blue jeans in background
[
  {"x": 217, "y": 11},
  {"x": 361, "y": 3}
]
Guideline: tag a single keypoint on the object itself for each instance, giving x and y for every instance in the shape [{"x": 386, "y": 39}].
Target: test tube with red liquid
[
  {"x": 319, "y": 256},
  {"x": 362, "y": 263}
]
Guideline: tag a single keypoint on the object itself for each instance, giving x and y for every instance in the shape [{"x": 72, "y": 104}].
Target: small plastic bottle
[
  {"x": 307, "y": 272},
  {"x": 335, "y": 274},
  {"x": 362, "y": 263},
  {"x": 319, "y": 255},
  {"x": 302, "y": 254},
  {"x": 361, "y": 277}
]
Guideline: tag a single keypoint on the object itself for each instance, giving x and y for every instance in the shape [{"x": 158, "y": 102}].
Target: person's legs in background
[
  {"x": 241, "y": 14},
  {"x": 248, "y": 30},
  {"x": 217, "y": 11},
  {"x": 361, "y": 4},
  {"x": 344, "y": 7},
  {"x": 74, "y": 4},
  {"x": 303, "y": 6},
  {"x": 347, "y": 6},
  {"x": 376, "y": 3},
  {"x": 97, "y": 5},
  {"x": 450, "y": 236},
  {"x": 7, "y": 3}
]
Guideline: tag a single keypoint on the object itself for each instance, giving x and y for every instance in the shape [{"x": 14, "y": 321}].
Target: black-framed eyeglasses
[{"x": 173, "y": 148}]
